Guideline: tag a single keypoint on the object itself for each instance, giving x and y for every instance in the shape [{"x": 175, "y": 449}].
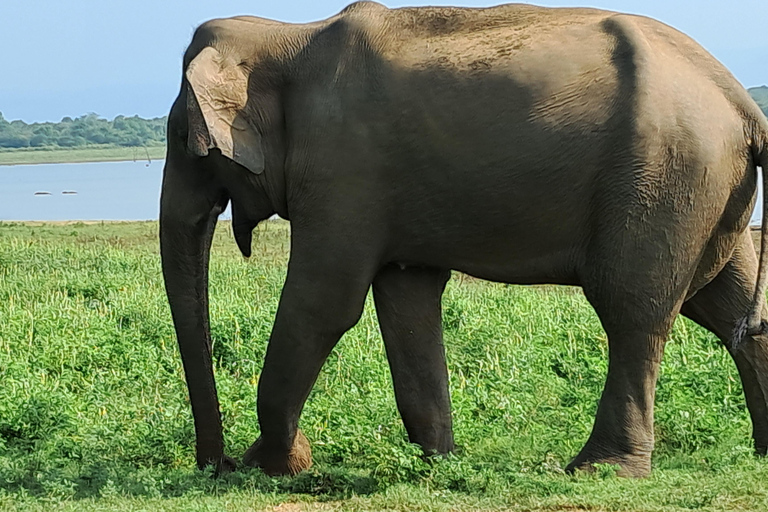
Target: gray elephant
[{"x": 517, "y": 144}]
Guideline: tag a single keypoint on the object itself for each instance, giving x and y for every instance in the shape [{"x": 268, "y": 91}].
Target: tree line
[
  {"x": 87, "y": 130},
  {"x": 92, "y": 130},
  {"x": 760, "y": 95}
]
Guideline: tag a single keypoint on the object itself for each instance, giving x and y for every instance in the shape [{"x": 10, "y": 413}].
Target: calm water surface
[
  {"x": 85, "y": 191},
  {"x": 96, "y": 191},
  {"x": 102, "y": 191}
]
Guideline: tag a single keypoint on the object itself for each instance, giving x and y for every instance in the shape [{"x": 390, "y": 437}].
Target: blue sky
[{"x": 69, "y": 57}]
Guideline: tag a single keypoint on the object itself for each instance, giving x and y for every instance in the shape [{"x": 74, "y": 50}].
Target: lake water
[
  {"x": 84, "y": 191},
  {"x": 102, "y": 191}
]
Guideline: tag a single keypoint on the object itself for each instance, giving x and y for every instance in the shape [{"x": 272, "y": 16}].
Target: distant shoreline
[{"x": 80, "y": 155}]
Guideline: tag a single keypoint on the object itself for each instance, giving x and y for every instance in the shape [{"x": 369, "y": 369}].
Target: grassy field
[
  {"x": 94, "y": 415},
  {"x": 63, "y": 156}
]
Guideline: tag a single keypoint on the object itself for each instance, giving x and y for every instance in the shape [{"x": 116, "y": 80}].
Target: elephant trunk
[{"x": 187, "y": 222}]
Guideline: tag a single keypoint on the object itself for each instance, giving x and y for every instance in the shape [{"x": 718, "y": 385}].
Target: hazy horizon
[{"x": 124, "y": 57}]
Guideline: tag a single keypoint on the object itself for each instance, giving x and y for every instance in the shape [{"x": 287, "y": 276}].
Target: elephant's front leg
[
  {"x": 322, "y": 298},
  {"x": 408, "y": 307}
]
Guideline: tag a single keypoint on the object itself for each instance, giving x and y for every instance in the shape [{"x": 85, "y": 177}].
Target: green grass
[
  {"x": 94, "y": 414},
  {"x": 91, "y": 154}
]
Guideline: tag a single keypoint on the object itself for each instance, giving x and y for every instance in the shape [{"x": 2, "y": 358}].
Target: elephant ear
[{"x": 216, "y": 111}]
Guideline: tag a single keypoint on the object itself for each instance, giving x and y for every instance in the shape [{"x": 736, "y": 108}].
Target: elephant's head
[{"x": 226, "y": 130}]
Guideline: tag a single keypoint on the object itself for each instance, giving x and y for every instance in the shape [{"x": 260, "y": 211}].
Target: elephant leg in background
[
  {"x": 410, "y": 316},
  {"x": 717, "y": 307},
  {"x": 322, "y": 298}
]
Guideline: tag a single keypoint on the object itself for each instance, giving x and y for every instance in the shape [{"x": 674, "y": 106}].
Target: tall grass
[{"x": 94, "y": 412}]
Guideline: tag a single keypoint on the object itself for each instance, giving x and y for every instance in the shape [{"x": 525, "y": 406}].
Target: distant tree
[
  {"x": 11, "y": 140},
  {"x": 45, "y": 130},
  {"x": 760, "y": 95},
  {"x": 85, "y": 130},
  {"x": 38, "y": 141},
  {"x": 66, "y": 142}
]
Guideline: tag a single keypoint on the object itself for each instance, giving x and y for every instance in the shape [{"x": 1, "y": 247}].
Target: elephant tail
[{"x": 753, "y": 323}]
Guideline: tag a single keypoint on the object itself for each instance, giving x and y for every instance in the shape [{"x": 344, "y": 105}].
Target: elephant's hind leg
[
  {"x": 717, "y": 307},
  {"x": 637, "y": 315},
  {"x": 408, "y": 307},
  {"x": 623, "y": 430}
]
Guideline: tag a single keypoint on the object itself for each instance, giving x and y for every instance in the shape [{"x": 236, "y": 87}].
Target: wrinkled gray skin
[{"x": 516, "y": 144}]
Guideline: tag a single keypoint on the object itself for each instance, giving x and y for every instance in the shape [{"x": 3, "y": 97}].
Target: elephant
[{"x": 516, "y": 144}]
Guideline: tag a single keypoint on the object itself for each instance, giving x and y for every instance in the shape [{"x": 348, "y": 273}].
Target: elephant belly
[
  {"x": 552, "y": 268},
  {"x": 539, "y": 242}
]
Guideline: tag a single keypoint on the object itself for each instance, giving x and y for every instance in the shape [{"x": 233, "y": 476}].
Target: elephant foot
[
  {"x": 222, "y": 465},
  {"x": 437, "y": 446},
  {"x": 275, "y": 463},
  {"x": 630, "y": 465}
]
